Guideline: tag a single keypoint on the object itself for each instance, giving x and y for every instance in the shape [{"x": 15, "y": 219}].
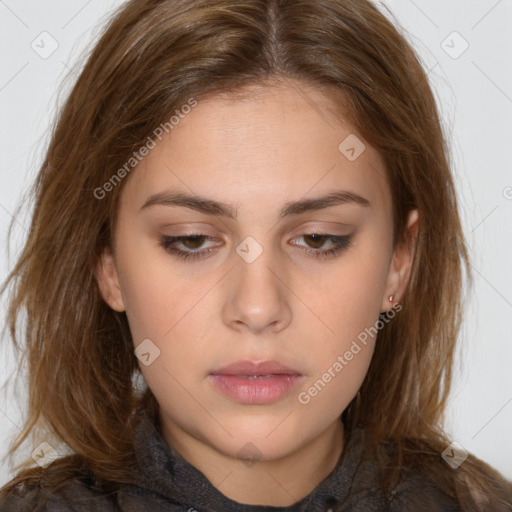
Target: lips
[
  {"x": 253, "y": 368},
  {"x": 251, "y": 382}
]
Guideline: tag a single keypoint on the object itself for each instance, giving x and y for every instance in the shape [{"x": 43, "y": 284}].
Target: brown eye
[
  {"x": 315, "y": 241},
  {"x": 190, "y": 246},
  {"x": 194, "y": 241}
]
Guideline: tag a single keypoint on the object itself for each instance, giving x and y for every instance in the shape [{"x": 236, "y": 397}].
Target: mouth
[{"x": 256, "y": 383}]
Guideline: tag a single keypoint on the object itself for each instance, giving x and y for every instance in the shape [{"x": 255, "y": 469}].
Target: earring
[{"x": 391, "y": 298}]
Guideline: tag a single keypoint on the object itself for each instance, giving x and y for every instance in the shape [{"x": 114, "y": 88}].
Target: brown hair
[{"x": 151, "y": 59}]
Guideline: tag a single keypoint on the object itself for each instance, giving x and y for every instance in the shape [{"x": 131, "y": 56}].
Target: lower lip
[{"x": 259, "y": 390}]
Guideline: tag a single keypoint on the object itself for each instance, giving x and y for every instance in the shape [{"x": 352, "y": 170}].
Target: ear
[
  {"x": 108, "y": 281},
  {"x": 401, "y": 264}
]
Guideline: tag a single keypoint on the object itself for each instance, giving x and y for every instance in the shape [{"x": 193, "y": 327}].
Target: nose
[{"x": 257, "y": 298}]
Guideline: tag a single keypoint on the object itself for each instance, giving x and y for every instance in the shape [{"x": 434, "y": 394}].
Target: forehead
[{"x": 271, "y": 144}]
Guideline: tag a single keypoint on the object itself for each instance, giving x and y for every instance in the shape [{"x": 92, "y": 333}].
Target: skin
[{"x": 278, "y": 145}]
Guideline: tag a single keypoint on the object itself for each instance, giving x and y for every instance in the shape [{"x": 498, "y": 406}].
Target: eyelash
[{"x": 169, "y": 242}]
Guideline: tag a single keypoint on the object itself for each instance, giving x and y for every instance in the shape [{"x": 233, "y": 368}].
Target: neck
[{"x": 278, "y": 482}]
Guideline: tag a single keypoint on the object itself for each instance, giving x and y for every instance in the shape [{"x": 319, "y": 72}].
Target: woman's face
[{"x": 266, "y": 179}]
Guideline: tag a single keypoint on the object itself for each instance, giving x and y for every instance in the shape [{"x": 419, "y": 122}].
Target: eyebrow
[{"x": 220, "y": 209}]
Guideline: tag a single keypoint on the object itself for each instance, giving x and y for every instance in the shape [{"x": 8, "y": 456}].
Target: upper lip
[{"x": 255, "y": 368}]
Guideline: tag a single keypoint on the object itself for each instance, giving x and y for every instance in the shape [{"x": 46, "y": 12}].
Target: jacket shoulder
[
  {"x": 25, "y": 498},
  {"x": 420, "y": 492},
  {"x": 423, "y": 490},
  {"x": 73, "y": 495}
]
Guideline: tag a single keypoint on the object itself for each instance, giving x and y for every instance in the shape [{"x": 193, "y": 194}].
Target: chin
[{"x": 260, "y": 444}]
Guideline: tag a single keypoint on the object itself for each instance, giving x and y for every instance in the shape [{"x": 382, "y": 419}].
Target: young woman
[{"x": 242, "y": 281}]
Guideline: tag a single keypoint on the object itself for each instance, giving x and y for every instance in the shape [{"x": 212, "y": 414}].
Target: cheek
[
  {"x": 150, "y": 306},
  {"x": 341, "y": 360},
  {"x": 337, "y": 383},
  {"x": 349, "y": 295},
  {"x": 166, "y": 309},
  {"x": 156, "y": 292},
  {"x": 174, "y": 310},
  {"x": 349, "y": 302}
]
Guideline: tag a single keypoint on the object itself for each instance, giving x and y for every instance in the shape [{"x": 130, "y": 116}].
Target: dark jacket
[{"x": 168, "y": 483}]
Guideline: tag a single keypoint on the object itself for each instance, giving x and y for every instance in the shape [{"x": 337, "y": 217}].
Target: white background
[{"x": 475, "y": 95}]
